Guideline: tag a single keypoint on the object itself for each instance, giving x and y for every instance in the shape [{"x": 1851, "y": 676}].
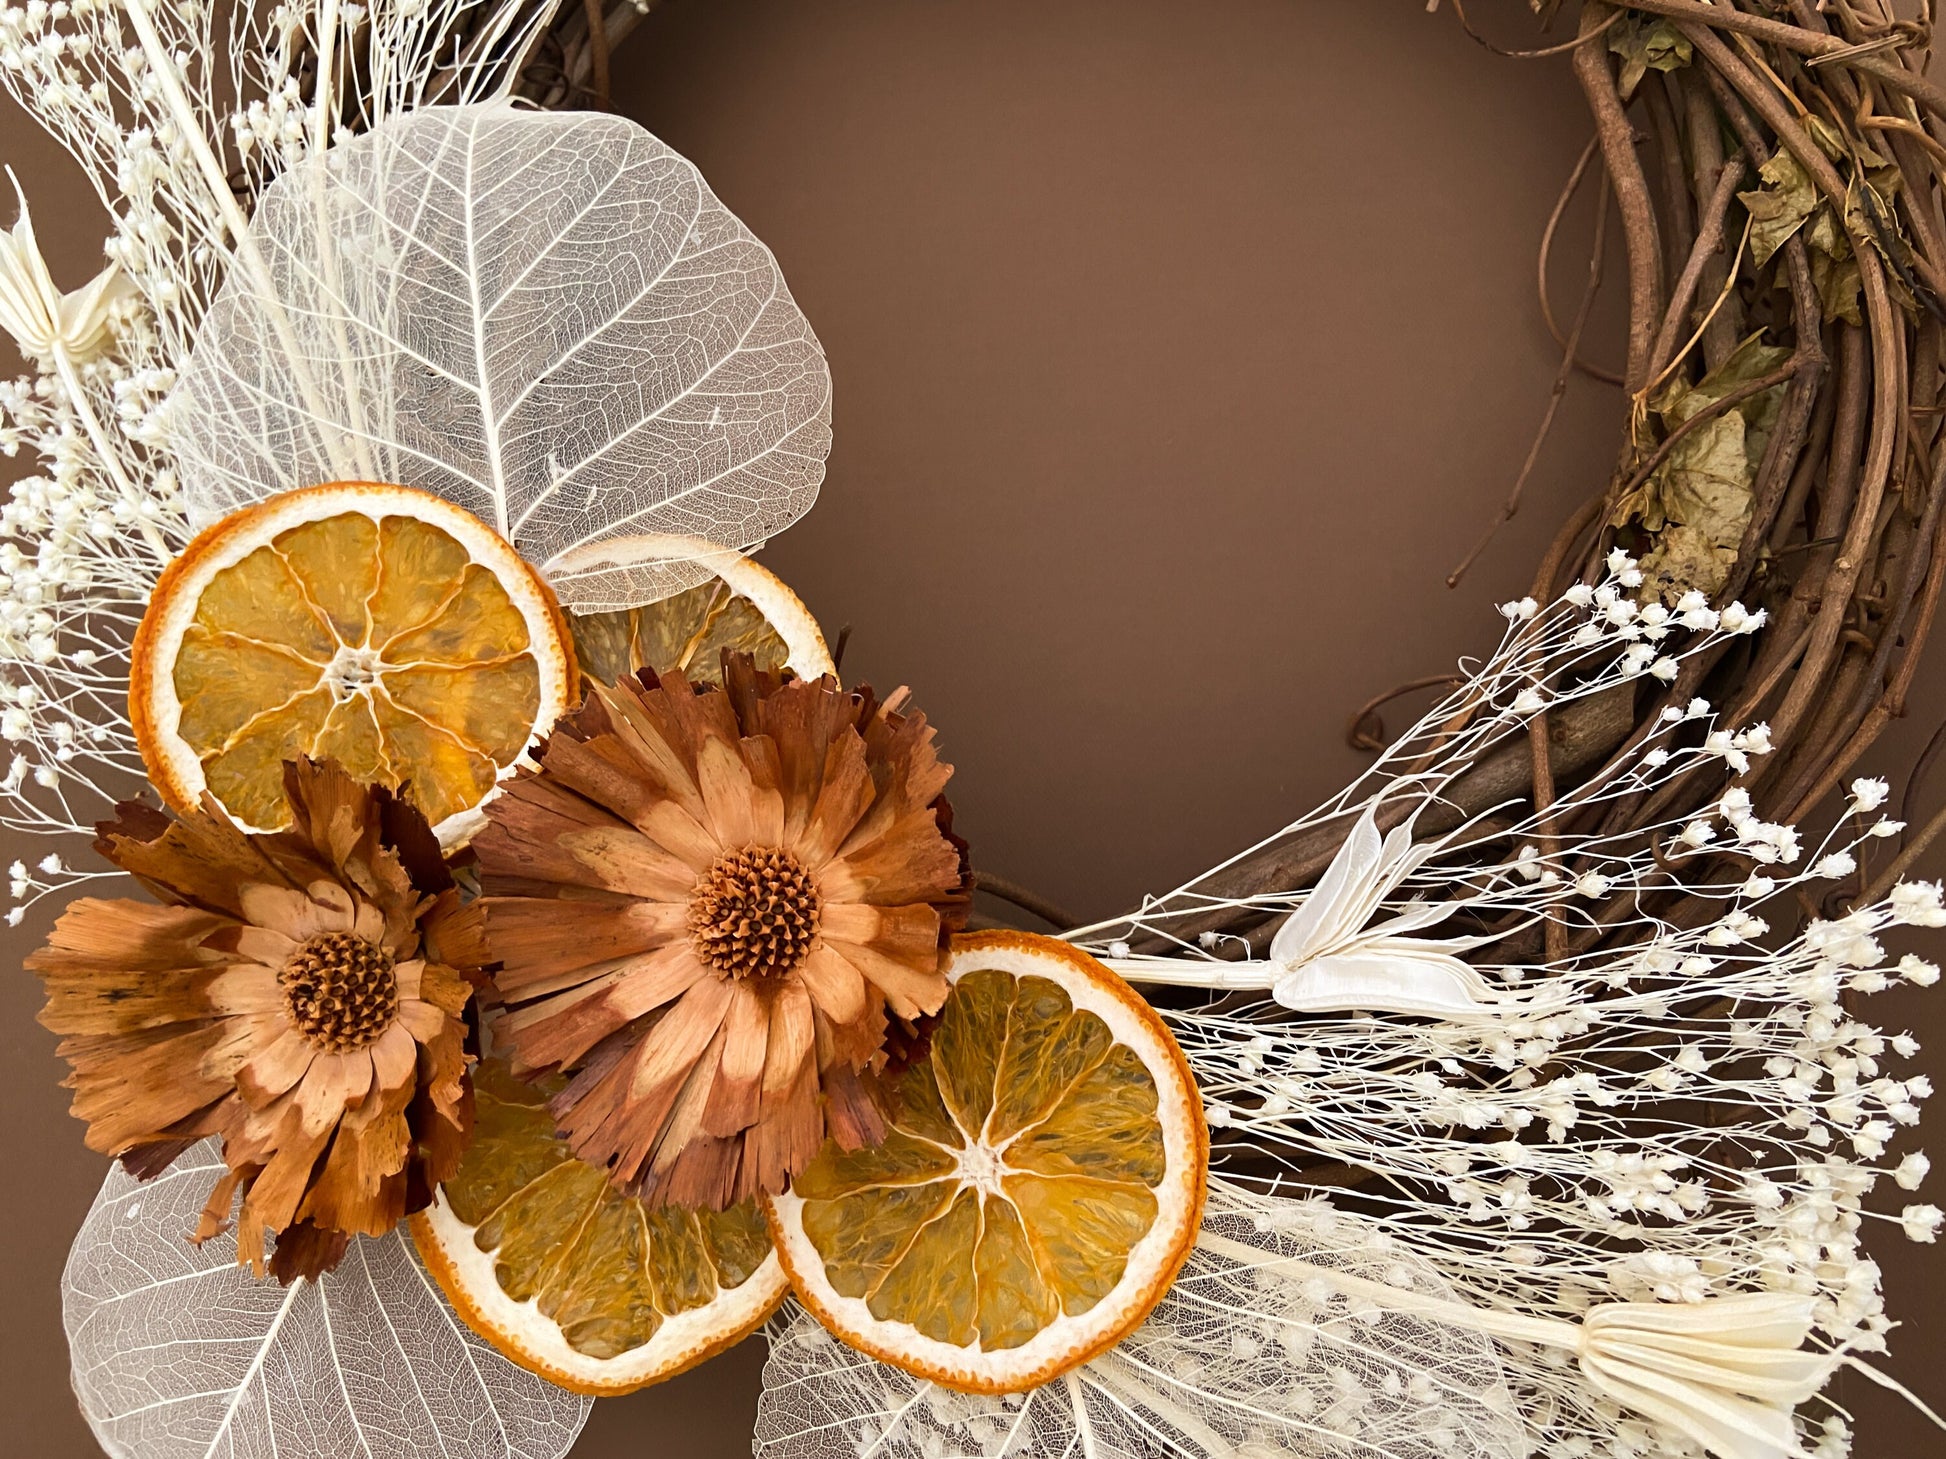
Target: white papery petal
[
  {"x": 178, "y": 1353},
  {"x": 1343, "y": 900},
  {"x": 1393, "y": 981},
  {"x": 35, "y": 312}
]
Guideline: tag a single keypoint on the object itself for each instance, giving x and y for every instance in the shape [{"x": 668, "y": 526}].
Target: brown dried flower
[
  {"x": 708, "y": 903},
  {"x": 293, "y": 994}
]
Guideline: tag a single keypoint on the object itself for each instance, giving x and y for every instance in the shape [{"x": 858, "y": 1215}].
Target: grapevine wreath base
[{"x": 542, "y": 961}]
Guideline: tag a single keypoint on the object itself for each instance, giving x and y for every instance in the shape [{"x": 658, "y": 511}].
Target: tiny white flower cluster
[
  {"x": 1601, "y": 635},
  {"x": 1659, "y": 1276},
  {"x": 277, "y": 125},
  {"x": 1918, "y": 904},
  {"x": 1616, "y": 615},
  {"x": 1770, "y": 843}
]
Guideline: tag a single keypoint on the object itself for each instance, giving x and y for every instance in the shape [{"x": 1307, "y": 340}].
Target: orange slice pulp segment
[
  {"x": 1041, "y": 1183},
  {"x": 571, "y": 1279}
]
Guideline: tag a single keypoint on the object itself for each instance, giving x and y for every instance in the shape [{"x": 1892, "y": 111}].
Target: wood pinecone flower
[
  {"x": 289, "y": 996},
  {"x": 708, "y": 904}
]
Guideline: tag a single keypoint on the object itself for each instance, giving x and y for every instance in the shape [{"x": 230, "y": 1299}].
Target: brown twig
[
  {"x": 1561, "y": 377},
  {"x": 1631, "y": 188},
  {"x": 1708, "y": 245},
  {"x": 1459, "y": 13},
  {"x": 1543, "y": 262},
  {"x": 598, "y": 50},
  {"x": 1052, "y": 913},
  {"x": 1366, "y": 731},
  {"x": 1799, "y": 41}
]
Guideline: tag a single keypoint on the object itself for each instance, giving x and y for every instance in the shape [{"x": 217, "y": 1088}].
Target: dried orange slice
[
  {"x": 744, "y": 607},
  {"x": 1041, "y": 1183},
  {"x": 378, "y": 626},
  {"x": 572, "y": 1280}
]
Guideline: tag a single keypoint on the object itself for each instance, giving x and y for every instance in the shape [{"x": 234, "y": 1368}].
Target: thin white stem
[
  {"x": 1138, "y": 1397},
  {"x": 1084, "y": 1426},
  {"x": 110, "y": 458},
  {"x": 324, "y": 106},
  {"x": 169, "y": 82},
  {"x": 323, "y": 110},
  {"x": 1510, "y": 1325},
  {"x": 256, "y": 1365},
  {"x": 1248, "y": 976}
]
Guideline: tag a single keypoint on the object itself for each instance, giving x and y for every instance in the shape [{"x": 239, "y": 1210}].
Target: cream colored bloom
[
  {"x": 38, "y": 315},
  {"x": 1329, "y": 955}
]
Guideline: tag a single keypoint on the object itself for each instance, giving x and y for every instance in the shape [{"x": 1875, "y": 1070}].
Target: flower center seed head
[
  {"x": 755, "y": 913},
  {"x": 340, "y": 990}
]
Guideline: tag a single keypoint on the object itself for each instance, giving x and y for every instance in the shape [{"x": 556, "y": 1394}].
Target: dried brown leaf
[{"x": 1647, "y": 43}]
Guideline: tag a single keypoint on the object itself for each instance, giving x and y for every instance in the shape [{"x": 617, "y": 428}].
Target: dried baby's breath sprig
[
  {"x": 1779, "y": 496},
  {"x": 1792, "y": 466}
]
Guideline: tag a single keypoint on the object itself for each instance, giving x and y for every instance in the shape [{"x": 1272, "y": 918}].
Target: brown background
[{"x": 1179, "y": 351}]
